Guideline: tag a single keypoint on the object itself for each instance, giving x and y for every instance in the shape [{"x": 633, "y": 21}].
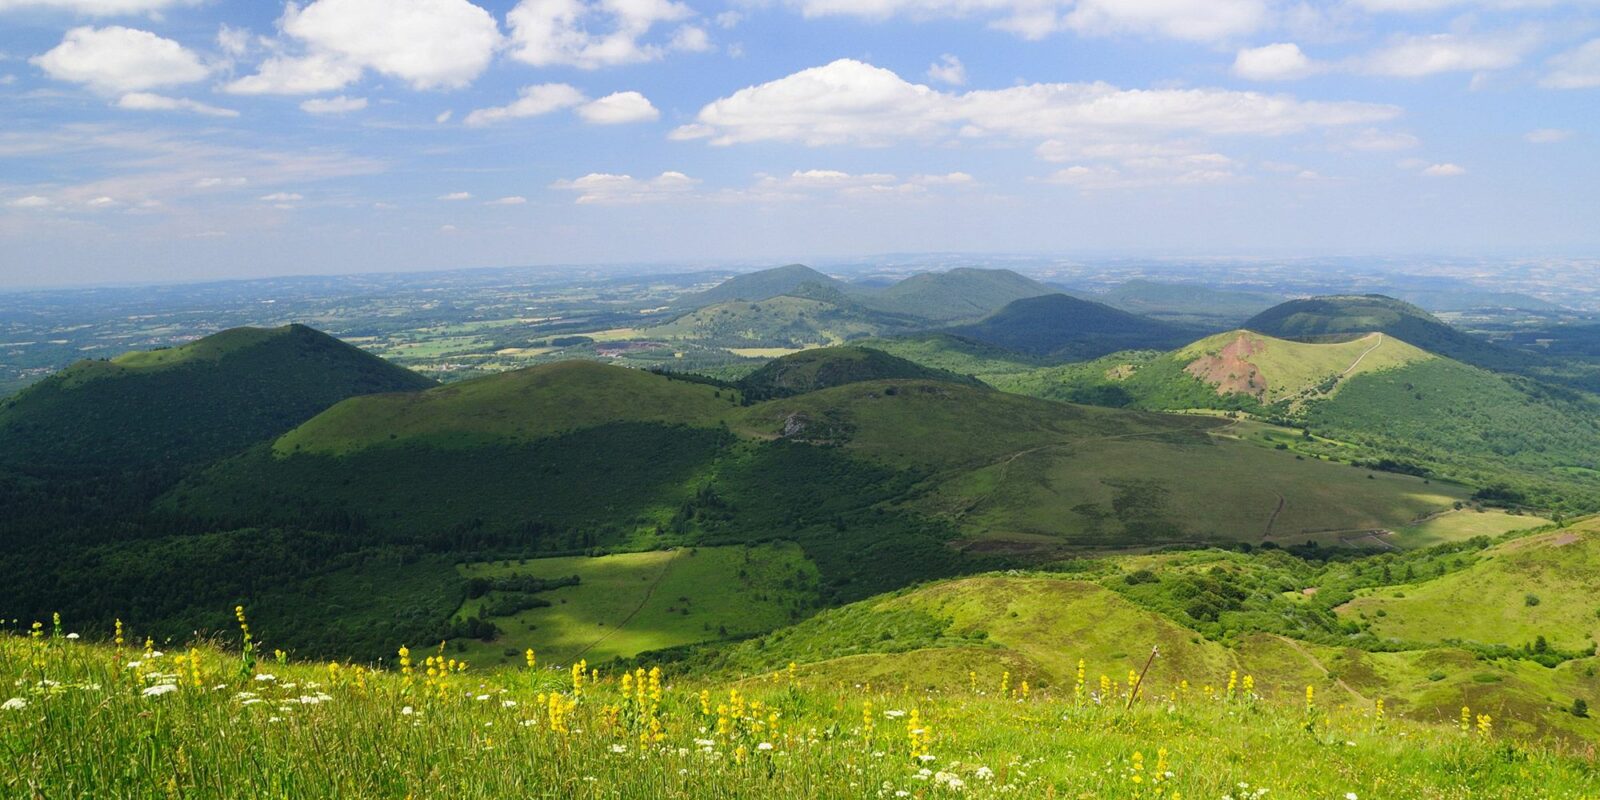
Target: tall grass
[{"x": 88, "y": 720}]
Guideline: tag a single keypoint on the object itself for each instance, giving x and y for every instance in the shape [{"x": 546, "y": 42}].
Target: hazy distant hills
[
  {"x": 760, "y": 285},
  {"x": 955, "y": 295}
]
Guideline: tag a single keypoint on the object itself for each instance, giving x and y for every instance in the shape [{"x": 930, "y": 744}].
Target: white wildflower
[
  {"x": 14, "y": 704},
  {"x": 764, "y": 746},
  {"x": 160, "y": 689}
]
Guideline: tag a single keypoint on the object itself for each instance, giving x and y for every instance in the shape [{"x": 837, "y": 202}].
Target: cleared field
[
  {"x": 1453, "y": 526},
  {"x": 765, "y": 352},
  {"x": 630, "y": 603},
  {"x": 1525, "y": 588}
]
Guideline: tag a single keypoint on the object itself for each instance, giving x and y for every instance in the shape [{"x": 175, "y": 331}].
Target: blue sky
[{"x": 185, "y": 139}]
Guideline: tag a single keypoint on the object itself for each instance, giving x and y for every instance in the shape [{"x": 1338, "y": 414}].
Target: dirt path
[
  {"x": 1364, "y": 353},
  {"x": 1301, "y": 649},
  {"x": 1273, "y": 520},
  {"x": 648, "y": 593}
]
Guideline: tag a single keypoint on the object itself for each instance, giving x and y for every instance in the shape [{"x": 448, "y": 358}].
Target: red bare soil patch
[{"x": 1230, "y": 370}]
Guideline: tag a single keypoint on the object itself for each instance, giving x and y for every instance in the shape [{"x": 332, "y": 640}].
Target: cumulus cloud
[
  {"x": 282, "y": 197},
  {"x": 618, "y": 109},
  {"x": 115, "y": 59},
  {"x": 308, "y": 74},
  {"x": 429, "y": 44},
  {"x": 1443, "y": 170},
  {"x": 1274, "y": 62},
  {"x": 598, "y": 188},
  {"x": 513, "y": 200},
  {"x": 948, "y": 69},
  {"x": 97, "y": 8},
  {"x": 30, "y": 201},
  {"x": 1215, "y": 20},
  {"x": 1421, "y": 56},
  {"x": 613, "y": 109},
  {"x": 1575, "y": 69},
  {"x": 1547, "y": 135},
  {"x": 534, "y": 101},
  {"x": 145, "y": 101},
  {"x": 455, "y": 197},
  {"x": 850, "y": 102},
  {"x": 599, "y": 33},
  {"x": 333, "y": 105}
]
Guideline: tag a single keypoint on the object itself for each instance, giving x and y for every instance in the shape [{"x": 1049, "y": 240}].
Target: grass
[
  {"x": 1289, "y": 370},
  {"x": 81, "y": 721},
  {"x": 1464, "y": 523},
  {"x": 522, "y": 405},
  {"x": 629, "y": 603},
  {"x": 1489, "y": 602}
]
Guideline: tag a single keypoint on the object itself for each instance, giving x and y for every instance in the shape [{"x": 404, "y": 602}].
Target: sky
[{"x": 157, "y": 140}]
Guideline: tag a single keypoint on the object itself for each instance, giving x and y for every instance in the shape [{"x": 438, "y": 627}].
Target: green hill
[
  {"x": 959, "y": 294},
  {"x": 813, "y": 315},
  {"x": 1347, "y": 315},
  {"x": 1062, "y": 327},
  {"x": 1512, "y": 595},
  {"x": 190, "y": 404},
  {"x": 761, "y": 285},
  {"x": 517, "y": 406},
  {"x": 835, "y": 366},
  {"x": 1188, "y": 304},
  {"x": 1372, "y": 398}
]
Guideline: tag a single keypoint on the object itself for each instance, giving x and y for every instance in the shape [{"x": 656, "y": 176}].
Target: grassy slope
[
  {"x": 189, "y": 404},
  {"x": 1290, "y": 370},
  {"x": 629, "y": 603},
  {"x": 1062, "y": 327},
  {"x": 783, "y": 321},
  {"x": 517, "y": 406},
  {"x": 1361, "y": 314},
  {"x": 825, "y": 368},
  {"x": 479, "y": 736},
  {"x": 962, "y": 293},
  {"x": 1487, "y": 603}
]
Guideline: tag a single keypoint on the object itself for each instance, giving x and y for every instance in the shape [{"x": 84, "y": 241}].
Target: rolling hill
[
  {"x": 959, "y": 294},
  {"x": 190, "y": 404},
  {"x": 1372, "y": 398},
  {"x": 812, "y": 315},
  {"x": 1061, "y": 327},
  {"x": 825, "y": 368},
  {"x": 761, "y": 285},
  {"x": 1322, "y": 318}
]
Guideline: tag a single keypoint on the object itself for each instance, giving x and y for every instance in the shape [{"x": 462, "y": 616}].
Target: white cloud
[
  {"x": 514, "y": 200},
  {"x": 214, "y": 182},
  {"x": 598, "y": 33},
  {"x": 456, "y": 196},
  {"x": 1575, "y": 69},
  {"x": 1443, "y": 171},
  {"x": 443, "y": 116},
  {"x": 96, "y": 8},
  {"x": 429, "y": 44},
  {"x": 101, "y": 202},
  {"x": 31, "y": 201},
  {"x": 850, "y": 102},
  {"x": 116, "y": 59},
  {"x": 309, "y": 74},
  {"x": 1420, "y": 56},
  {"x": 282, "y": 197},
  {"x": 618, "y": 109},
  {"x": 1274, "y": 62},
  {"x": 948, "y": 69},
  {"x": 1134, "y": 171},
  {"x": 598, "y": 188},
  {"x": 333, "y": 105},
  {"x": 1213, "y": 20},
  {"x": 233, "y": 41},
  {"x": 534, "y": 101},
  {"x": 1547, "y": 135},
  {"x": 145, "y": 101}
]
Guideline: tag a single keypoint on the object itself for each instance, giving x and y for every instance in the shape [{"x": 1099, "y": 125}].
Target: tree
[{"x": 1580, "y": 707}]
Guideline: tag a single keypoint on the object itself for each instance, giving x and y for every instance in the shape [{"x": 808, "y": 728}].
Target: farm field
[{"x": 630, "y": 603}]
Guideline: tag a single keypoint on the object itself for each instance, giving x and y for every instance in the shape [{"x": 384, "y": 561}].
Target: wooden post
[{"x": 1140, "y": 682}]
